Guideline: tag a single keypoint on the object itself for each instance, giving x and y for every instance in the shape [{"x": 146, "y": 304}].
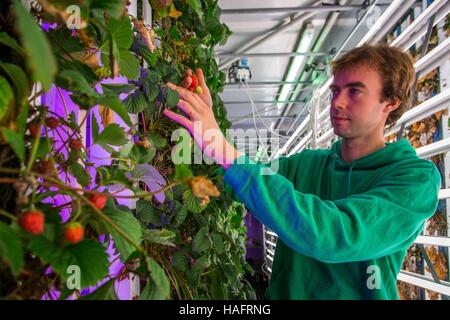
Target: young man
[{"x": 344, "y": 216}]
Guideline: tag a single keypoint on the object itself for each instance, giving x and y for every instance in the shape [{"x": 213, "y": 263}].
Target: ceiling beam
[
  {"x": 272, "y": 54},
  {"x": 322, "y": 8},
  {"x": 261, "y": 117},
  {"x": 263, "y": 101},
  {"x": 268, "y": 83},
  {"x": 299, "y": 18}
]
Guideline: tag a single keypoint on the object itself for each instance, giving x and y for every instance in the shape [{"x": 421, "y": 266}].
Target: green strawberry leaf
[
  {"x": 16, "y": 142},
  {"x": 180, "y": 261},
  {"x": 159, "y": 286},
  {"x": 105, "y": 292},
  {"x": 130, "y": 225},
  {"x": 87, "y": 255},
  {"x": 6, "y": 96},
  {"x": 117, "y": 106},
  {"x": 40, "y": 59},
  {"x": 81, "y": 174},
  {"x": 111, "y": 135},
  {"x": 11, "y": 248},
  {"x": 164, "y": 237},
  {"x": 201, "y": 241}
]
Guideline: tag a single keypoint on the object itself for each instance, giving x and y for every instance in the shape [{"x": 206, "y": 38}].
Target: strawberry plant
[{"x": 85, "y": 157}]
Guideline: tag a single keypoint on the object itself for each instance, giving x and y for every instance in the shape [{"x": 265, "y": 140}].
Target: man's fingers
[
  {"x": 186, "y": 83},
  {"x": 178, "y": 119},
  {"x": 201, "y": 79},
  {"x": 187, "y": 108},
  {"x": 187, "y": 80},
  {"x": 182, "y": 91},
  {"x": 188, "y": 73}
]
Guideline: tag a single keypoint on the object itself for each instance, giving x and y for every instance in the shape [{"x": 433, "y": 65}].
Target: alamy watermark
[
  {"x": 73, "y": 282},
  {"x": 186, "y": 151},
  {"x": 374, "y": 279},
  {"x": 73, "y": 20},
  {"x": 372, "y": 16}
]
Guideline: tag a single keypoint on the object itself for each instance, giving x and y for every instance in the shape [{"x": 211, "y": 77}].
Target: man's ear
[{"x": 392, "y": 105}]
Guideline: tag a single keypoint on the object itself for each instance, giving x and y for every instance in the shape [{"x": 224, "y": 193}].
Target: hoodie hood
[{"x": 391, "y": 153}]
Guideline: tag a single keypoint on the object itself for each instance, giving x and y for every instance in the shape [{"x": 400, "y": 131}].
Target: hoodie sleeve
[
  {"x": 279, "y": 165},
  {"x": 365, "y": 226}
]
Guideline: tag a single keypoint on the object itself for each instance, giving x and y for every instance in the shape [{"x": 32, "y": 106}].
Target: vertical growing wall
[{"x": 90, "y": 196}]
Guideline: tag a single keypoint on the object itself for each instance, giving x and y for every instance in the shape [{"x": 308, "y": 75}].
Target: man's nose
[{"x": 339, "y": 102}]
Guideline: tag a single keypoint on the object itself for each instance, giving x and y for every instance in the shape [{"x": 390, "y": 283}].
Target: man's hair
[{"x": 396, "y": 70}]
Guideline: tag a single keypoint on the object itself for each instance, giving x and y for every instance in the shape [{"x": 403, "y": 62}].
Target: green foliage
[
  {"x": 111, "y": 135},
  {"x": 105, "y": 292},
  {"x": 19, "y": 82},
  {"x": 6, "y": 96},
  {"x": 128, "y": 224},
  {"x": 192, "y": 202},
  {"x": 83, "y": 177},
  {"x": 202, "y": 241},
  {"x": 148, "y": 214},
  {"x": 199, "y": 246},
  {"x": 11, "y": 248},
  {"x": 41, "y": 61},
  {"x": 159, "y": 287},
  {"x": 117, "y": 106},
  {"x": 16, "y": 142},
  {"x": 88, "y": 255},
  {"x": 163, "y": 236}
]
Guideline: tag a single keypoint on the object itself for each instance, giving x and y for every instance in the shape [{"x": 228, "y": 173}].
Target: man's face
[{"x": 356, "y": 108}]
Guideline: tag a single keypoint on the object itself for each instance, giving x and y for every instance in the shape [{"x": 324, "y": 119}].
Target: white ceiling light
[{"x": 297, "y": 63}]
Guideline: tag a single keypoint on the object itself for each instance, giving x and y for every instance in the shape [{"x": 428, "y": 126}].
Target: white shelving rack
[{"x": 316, "y": 132}]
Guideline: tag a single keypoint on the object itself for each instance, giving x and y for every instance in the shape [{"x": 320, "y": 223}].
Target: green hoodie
[{"x": 343, "y": 227}]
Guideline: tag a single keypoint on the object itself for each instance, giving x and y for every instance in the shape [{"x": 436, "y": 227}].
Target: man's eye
[{"x": 355, "y": 91}]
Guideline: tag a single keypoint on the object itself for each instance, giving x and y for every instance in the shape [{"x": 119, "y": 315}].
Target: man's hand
[
  {"x": 201, "y": 123},
  {"x": 186, "y": 83}
]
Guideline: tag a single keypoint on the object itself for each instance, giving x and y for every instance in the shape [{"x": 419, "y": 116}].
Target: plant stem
[
  {"x": 64, "y": 102},
  {"x": 63, "y": 186},
  {"x": 8, "y": 180},
  {"x": 64, "y": 143},
  {"x": 85, "y": 117},
  {"x": 172, "y": 279},
  {"x": 111, "y": 223},
  {"x": 8, "y": 215},
  {"x": 205, "y": 273},
  {"x": 34, "y": 149}
]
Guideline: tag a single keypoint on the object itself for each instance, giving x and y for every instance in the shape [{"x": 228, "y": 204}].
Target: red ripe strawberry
[
  {"x": 75, "y": 144},
  {"x": 194, "y": 83},
  {"x": 73, "y": 232},
  {"x": 98, "y": 200},
  {"x": 33, "y": 222},
  {"x": 52, "y": 122}
]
